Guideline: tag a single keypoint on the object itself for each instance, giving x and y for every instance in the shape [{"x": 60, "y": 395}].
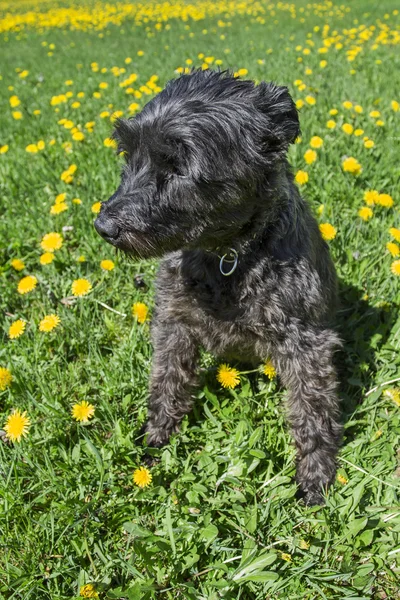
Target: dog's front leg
[
  {"x": 304, "y": 362},
  {"x": 173, "y": 378}
]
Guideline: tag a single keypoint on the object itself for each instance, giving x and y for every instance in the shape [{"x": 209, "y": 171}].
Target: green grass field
[{"x": 220, "y": 518}]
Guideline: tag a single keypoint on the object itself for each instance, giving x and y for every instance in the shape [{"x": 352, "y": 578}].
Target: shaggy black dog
[{"x": 246, "y": 273}]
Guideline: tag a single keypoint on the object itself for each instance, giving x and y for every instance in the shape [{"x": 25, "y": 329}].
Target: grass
[{"x": 220, "y": 518}]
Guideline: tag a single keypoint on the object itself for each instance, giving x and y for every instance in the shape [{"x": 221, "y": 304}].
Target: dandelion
[
  {"x": 17, "y": 425},
  {"x": 347, "y": 104},
  {"x": 82, "y": 411},
  {"x": 385, "y": 200},
  {"x": 17, "y": 264},
  {"x": 51, "y": 242},
  {"x": 78, "y": 136},
  {"x": 5, "y": 378},
  {"x": 107, "y": 265},
  {"x": 16, "y": 329},
  {"x": 393, "y": 394},
  {"x": 333, "y": 112},
  {"x": 269, "y": 370},
  {"x": 88, "y": 591},
  {"x": 81, "y": 287},
  {"x": 227, "y": 376},
  {"x": 4, "y": 149},
  {"x": 304, "y": 545},
  {"x": 371, "y": 197},
  {"x": 142, "y": 477},
  {"x": 57, "y": 209},
  {"x": 301, "y": 177},
  {"x": 14, "y": 101},
  {"x": 286, "y": 556},
  {"x": 110, "y": 143},
  {"x": 316, "y": 142},
  {"x": 365, "y": 213},
  {"x": 395, "y": 267},
  {"x": 96, "y": 207},
  {"x": 351, "y": 165},
  {"x": 328, "y": 231},
  {"x": 331, "y": 124},
  {"x": 49, "y": 322},
  {"x": 393, "y": 248},
  {"x": 358, "y": 132},
  {"x": 310, "y": 100},
  {"x": 140, "y": 310},
  {"x": 46, "y": 258},
  {"x": 375, "y": 114},
  {"x": 310, "y": 156},
  {"x": 299, "y": 103},
  {"x": 342, "y": 479},
  {"x": 32, "y": 148},
  {"x": 369, "y": 144},
  {"x": 395, "y": 233},
  {"x": 395, "y": 105},
  {"x": 76, "y": 201},
  {"x": 347, "y": 128},
  {"x": 17, "y": 115},
  {"x": 27, "y": 284}
]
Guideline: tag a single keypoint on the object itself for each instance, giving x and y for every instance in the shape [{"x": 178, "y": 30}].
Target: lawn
[{"x": 218, "y": 516}]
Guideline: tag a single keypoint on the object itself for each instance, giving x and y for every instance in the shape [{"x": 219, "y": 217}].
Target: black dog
[{"x": 246, "y": 272}]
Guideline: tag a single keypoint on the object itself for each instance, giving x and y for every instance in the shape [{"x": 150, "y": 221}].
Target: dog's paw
[
  {"x": 153, "y": 436},
  {"x": 311, "y": 497}
]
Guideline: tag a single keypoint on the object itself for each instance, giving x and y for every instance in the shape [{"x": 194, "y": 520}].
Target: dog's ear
[
  {"x": 125, "y": 134},
  {"x": 276, "y": 103}
]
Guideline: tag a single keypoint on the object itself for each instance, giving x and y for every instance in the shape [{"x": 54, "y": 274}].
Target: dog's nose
[{"x": 106, "y": 227}]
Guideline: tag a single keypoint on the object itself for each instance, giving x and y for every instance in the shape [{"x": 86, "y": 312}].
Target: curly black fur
[{"x": 206, "y": 171}]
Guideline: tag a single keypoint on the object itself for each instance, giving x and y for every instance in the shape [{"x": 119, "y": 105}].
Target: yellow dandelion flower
[
  {"x": 17, "y": 115},
  {"x": 316, "y": 142},
  {"x": 310, "y": 156},
  {"x": 347, "y": 128},
  {"x": 227, "y": 376},
  {"x": 46, "y": 258},
  {"x": 88, "y": 591},
  {"x": 269, "y": 370},
  {"x": 41, "y": 145},
  {"x": 14, "y": 101},
  {"x": 142, "y": 477},
  {"x": 328, "y": 231},
  {"x": 301, "y": 177},
  {"x": 342, "y": 479},
  {"x": 331, "y": 124},
  {"x": 395, "y": 267},
  {"x": 17, "y": 425},
  {"x": 103, "y": 85},
  {"x": 4, "y": 149},
  {"x": 320, "y": 209},
  {"x": 385, "y": 200},
  {"x": 16, "y": 329},
  {"x": 82, "y": 411},
  {"x": 32, "y": 148},
  {"x": 17, "y": 264},
  {"x": 27, "y": 284},
  {"x": 286, "y": 556},
  {"x": 369, "y": 144},
  {"x": 393, "y": 248},
  {"x": 365, "y": 213},
  {"x": 347, "y": 104},
  {"x": 49, "y": 322},
  {"x": 395, "y": 233},
  {"x": 81, "y": 287},
  {"x": 393, "y": 394},
  {"x": 375, "y": 114},
  {"x": 76, "y": 201},
  {"x": 51, "y": 242},
  {"x": 5, "y": 378},
  {"x": 140, "y": 311},
  {"x": 304, "y": 545},
  {"x": 358, "y": 132},
  {"x": 310, "y": 100},
  {"x": 107, "y": 265},
  {"x": 371, "y": 197},
  {"x": 81, "y": 259},
  {"x": 110, "y": 143},
  {"x": 333, "y": 112},
  {"x": 359, "y": 109},
  {"x": 57, "y": 209},
  {"x": 395, "y": 105},
  {"x": 96, "y": 207},
  {"x": 351, "y": 165},
  {"x": 299, "y": 103},
  {"x": 60, "y": 198},
  {"x": 78, "y": 136}
]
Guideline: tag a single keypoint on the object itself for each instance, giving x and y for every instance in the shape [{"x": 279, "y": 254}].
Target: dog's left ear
[{"x": 276, "y": 103}]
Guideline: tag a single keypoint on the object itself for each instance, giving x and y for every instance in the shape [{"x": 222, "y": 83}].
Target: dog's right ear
[{"x": 277, "y": 105}]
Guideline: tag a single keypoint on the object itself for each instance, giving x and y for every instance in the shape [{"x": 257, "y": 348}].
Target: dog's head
[{"x": 196, "y": 157}]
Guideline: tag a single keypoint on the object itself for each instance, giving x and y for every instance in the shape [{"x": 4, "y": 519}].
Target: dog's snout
[{"x": 106, "y": 227}]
